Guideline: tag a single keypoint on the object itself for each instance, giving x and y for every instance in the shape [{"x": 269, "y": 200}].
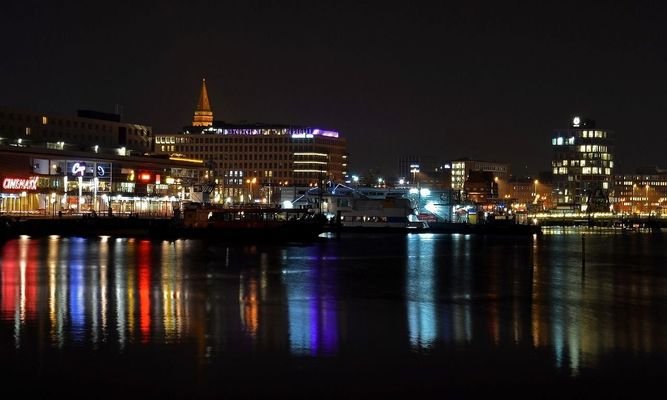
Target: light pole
[
  {"x": 647, "y": 202},
  {"x": 414, "y": 168},
  {"x": 535, "y": 187},
  {"x": 250, "y": 182},
  {"x": 632, "y": 204}
]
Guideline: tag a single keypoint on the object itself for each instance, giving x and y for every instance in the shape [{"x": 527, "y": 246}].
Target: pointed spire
[
  {"x": 203, "y": 114},
  {"x": 203, "y": 104}
]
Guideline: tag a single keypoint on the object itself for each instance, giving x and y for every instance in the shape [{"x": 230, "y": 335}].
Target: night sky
[{"x": 448, "y": 81}]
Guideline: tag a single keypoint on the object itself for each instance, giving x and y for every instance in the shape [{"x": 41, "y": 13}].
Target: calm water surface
[{"x": 422, "y": 314}]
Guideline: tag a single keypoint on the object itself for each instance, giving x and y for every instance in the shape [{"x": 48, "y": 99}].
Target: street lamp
[
  {"x": 647, "y": 202},
  {"x": 414, "y": 168},
  {"x": 535, "y": 182},
  {"x": 250, "y": 182},
  {"x": 632, "y": 205}
]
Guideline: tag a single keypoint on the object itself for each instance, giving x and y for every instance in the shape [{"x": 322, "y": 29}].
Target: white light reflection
[{"x": 420, "y": 292}]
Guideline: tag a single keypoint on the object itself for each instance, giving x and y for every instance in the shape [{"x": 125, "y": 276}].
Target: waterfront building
[
  {"x": 582, "y": 165},
  {"x": 526, "y": 193},
  {"x": 92, "y": 131},
  {"x": 93, "y": 162},
  {"x": 43, "y": 181},
  {"x": 480, "y": 186},
  {"x": 254, "y": 161},
  {"x": 461, "y": 168},
  {"x": 644, "y": 192}
]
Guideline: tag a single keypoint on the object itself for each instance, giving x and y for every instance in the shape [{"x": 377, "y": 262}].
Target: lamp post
[
  {"x": 632, "y": 204},
  {"x": 647, "y": 202},
  {"x": 250, "y": 182},
  {"x": 414, "y": 168},
  {"x": 535, "y": 187}
]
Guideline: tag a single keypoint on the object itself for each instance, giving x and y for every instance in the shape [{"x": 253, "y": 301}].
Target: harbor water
[{"x": 355, "y": 315}]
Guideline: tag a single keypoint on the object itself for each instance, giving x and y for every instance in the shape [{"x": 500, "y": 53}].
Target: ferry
[
  {"x": 391, "y": 213},
  {"x": 255, "y": 222}
]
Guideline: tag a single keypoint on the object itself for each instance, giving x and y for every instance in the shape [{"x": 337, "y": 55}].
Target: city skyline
[{"x": 447, "y": 82}]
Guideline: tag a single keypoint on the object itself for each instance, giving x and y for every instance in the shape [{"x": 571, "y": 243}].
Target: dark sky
[{"x": 448, "y": 81}]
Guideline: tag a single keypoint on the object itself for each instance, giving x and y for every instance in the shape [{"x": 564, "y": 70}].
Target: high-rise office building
[
  {"x": 253, "y": 161},
  {"x": 582, "y": 165}
]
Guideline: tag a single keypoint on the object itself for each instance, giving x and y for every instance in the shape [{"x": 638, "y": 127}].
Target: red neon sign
[
  {"x": 20, "y": 183},
  {"x": 145, "y": 177}
]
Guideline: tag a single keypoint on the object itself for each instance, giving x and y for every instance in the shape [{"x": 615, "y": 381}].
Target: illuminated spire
[{"x": 203, "y": 113}]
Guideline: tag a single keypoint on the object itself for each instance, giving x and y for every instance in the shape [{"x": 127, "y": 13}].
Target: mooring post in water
[{"x": 583, "y": 251}]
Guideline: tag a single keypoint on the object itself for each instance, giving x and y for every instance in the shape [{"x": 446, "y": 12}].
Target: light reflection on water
[{"x": 395, "y": 294}]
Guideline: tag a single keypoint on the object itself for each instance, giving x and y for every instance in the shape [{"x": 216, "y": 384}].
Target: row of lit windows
[
  {"x": 581, "y": 163},
  {"x": 587, "y": 148},
  {"x": 643, "y": 184},
  {"x": 595, "y": 171},
  {"x": 584, "y": 171},
  {"x": 594, "y": 134},
  {"x": 559, "y": 141}
]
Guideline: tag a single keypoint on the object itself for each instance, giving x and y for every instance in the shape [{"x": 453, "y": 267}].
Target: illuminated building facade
[
  {"x": 644, "y": 192},
  {"x": 460, "y": 170},
  {"x": 89, "y": 131},
  {"x": 41, "y": 181},
  {"x": 252, "y": 162},
  {"x": 582, "y": 165}
]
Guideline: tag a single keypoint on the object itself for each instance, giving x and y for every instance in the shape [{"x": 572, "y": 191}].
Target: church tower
[{"x": 203, "y": 114}]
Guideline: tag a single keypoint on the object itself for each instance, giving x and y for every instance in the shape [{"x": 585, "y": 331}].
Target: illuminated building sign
[
  {"x": 82, "y": 169},
  {"x": 103, "y": 170},
  {"x": 294, "y": 132},
  {"x": 78, "y": 169},
  {"x": 20, "y": 183},
  {"x": 145, "y": 177}
]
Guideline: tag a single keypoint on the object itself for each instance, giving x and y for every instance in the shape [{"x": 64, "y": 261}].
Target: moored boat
[{"x": 254, "y": 222}]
